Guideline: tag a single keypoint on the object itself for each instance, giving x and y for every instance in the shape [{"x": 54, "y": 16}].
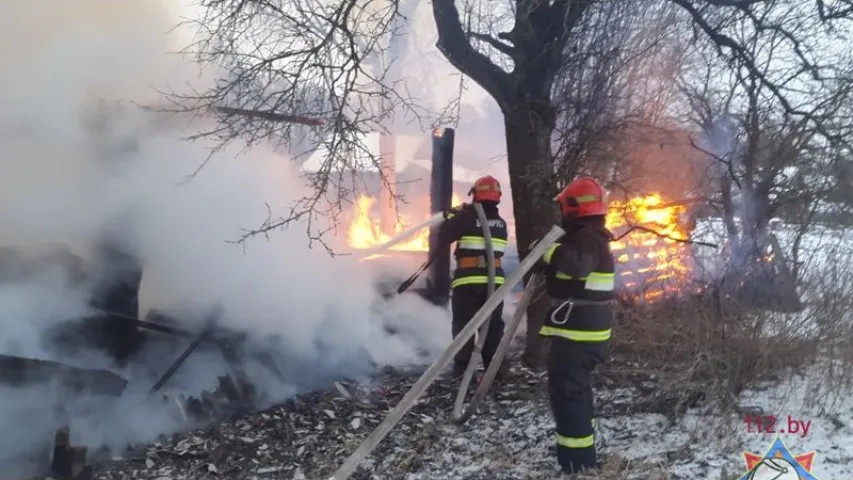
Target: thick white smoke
[{"x": 64, "y": 64}]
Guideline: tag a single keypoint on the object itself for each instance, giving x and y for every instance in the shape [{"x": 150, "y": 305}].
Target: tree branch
[
  {"x": 663, "y": 235},
  {"x": 271, "y": 116},
  {"x": 740, "y": 53},
  {"x": 453, "y": 44},
  {"x": 498, "y": 45}
]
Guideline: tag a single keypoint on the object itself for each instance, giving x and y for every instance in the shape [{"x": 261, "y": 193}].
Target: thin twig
[{"x": 663, "y": 235}]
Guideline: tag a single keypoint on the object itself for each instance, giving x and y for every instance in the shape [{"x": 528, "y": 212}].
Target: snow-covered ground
[
  {"x": 696, "y": 447},
  {"x": 511, "y": 438},
  {"x": 705, "y": 444}
]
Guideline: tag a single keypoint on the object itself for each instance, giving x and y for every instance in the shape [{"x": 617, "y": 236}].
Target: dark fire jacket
[
  {"x": 579, "y": 277},
  {"x": 464, "y": 228}
]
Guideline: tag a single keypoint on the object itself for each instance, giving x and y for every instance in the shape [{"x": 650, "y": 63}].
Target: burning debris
[
  {"x": 21, "y": 372},
  {"x": 69, "y": 462},
  {"x": 234, "y": 395},
  {"x": 654, "y": 251},
  {"x": 654, "y": 258}
]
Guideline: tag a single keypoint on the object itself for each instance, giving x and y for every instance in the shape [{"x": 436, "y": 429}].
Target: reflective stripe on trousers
[
  {"x": 475, "y": 280},
  {"x": 576, "y": 442},
  {"x": 570, "y": 368}
]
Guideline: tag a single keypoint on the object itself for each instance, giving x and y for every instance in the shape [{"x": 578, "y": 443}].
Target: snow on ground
[
  {"x": 510, "y": 438},
  {"x": 697, "y": 446},
  {"x": 704, "y": 445}
]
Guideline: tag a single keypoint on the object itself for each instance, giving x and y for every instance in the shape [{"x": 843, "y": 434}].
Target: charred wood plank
[
  {"x": 179, "y": 361},
  {"x": 68, "y": 462},
  {"x": 22, "y": 372}
]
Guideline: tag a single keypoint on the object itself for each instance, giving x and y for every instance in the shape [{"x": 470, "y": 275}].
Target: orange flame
[
  {"x": 649, "y": 262},
  {"x": 365, "y": 232}
]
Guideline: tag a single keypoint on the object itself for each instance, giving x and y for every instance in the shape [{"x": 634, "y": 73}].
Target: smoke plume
[{"x": 80, "y": 161}]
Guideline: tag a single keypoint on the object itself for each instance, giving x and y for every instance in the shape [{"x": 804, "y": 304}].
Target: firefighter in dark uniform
[
  {"x": 579, "y": 277},
  {"x": 470, "y": 278}
]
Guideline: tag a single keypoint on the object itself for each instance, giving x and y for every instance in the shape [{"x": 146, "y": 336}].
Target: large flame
[
  {"x": 651, "y": 261},
  {"x": 365, "y": 232},
  {"x": 653, "y": 258}
]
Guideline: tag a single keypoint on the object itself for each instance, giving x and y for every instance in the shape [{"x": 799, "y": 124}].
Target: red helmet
[
  {"x": 486, "y": 189},
  {"x": 582, "y": 197}
]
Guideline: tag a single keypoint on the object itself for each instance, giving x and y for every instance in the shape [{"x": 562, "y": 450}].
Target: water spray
[{"x": 434, "y": 220}]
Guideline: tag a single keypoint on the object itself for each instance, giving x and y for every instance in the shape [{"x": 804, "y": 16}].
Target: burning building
[
  {"x": 366, "y": 230},
  {"x": 652, "y": 252},
  {"x": 652, "y": 255}
]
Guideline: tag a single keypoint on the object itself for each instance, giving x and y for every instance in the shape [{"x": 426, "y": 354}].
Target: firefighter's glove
[{"x": 453, "y": 211}]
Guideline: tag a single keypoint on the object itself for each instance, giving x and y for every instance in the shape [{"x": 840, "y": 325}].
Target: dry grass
[
  {"x": 708, "y": 347},
  {"x": 618, "y": 468}
]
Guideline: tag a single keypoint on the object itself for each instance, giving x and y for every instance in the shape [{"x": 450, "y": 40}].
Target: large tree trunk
[{"x": 528, "y": 143}]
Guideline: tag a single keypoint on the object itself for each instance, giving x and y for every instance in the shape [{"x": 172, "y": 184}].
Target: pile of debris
[{"x": 307, "y": 437}]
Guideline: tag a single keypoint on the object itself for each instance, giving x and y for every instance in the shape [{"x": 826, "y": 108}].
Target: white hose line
[
  {"x": 459, "y": 404},
  {"x": 431, "y": 374},
  {"x": 529, "y": 292}
]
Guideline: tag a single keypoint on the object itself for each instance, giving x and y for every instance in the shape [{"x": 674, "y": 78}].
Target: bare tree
[
  {"x": 617, "y": 73},
  {"x": 298, "y": 69},
  {"x": 292, "y": 60},
  {"x": 537, "y": 43},
  {"x": 767, "y": 161}
]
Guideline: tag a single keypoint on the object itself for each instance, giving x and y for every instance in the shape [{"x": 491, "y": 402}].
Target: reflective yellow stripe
[
  {"x": 576, "y": 442},
  {"x": 600, "y": 282},
  {"x": 482, "y": 240},
  {"x": 587, "y": 336},
  {"x": 597, "y": 281},
  {"x": 475, "y": 280},
  {"x": 479, "y": 243},
  {"x": 586, "y": 198},
  {"x": 546, "y": 257}
]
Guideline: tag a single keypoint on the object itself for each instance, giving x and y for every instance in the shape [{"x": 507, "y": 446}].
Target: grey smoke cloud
[{"x": 77, "y": 156}]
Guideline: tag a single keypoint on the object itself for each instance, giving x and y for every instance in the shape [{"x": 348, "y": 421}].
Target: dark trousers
[
  {"x": 570, "y": 367},
  {"x": 465, "y": 303}
]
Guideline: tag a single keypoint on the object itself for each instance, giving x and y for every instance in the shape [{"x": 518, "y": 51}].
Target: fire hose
[
  {"x": 481, "y": 334},
  {"x": 432, "y": 221},
  {"x": 431, "y": 374},
  {"x": 530, "y": 290}
]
